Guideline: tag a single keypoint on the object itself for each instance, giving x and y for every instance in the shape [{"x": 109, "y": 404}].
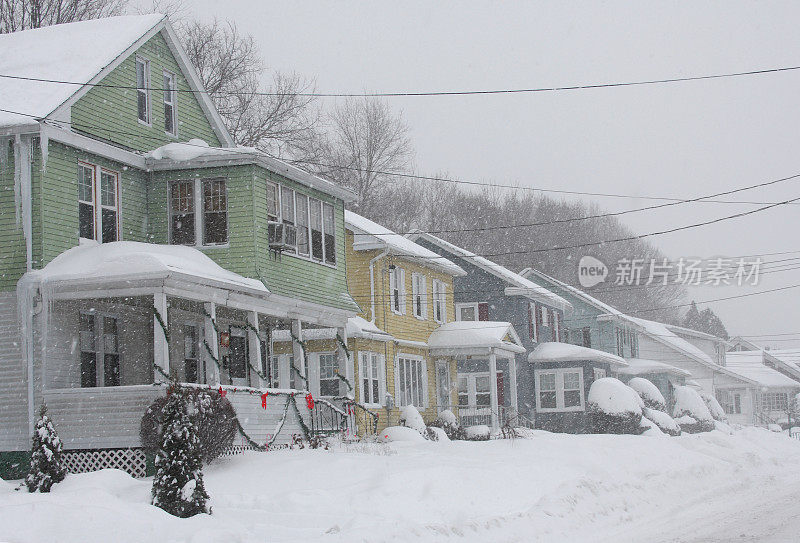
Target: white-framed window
[
  {"x": 467, "y": 311},
  {"x": 99, "y": 222},
  {"x": 439, "y": 301},
  {"x": 397, "y": 290},
  {"x": 170, "y": 105},
  {"x": 774, "y": 401},
  {"x": 419, "y": 295},
  {"x": 314, "y": 219},
  {"x": 329, "y": 381},
  {"x": 372, "y": 377},
  {"x": 99, "y": 350},
  {"x": 186, "y": 197},
  {"x": 411, "y": 381},
  {"x": 599, "y": 373},
  {"x": 474, "y": 390},
  {"x": 559, "y": 389},
  {"x": 143, "y": 89}
]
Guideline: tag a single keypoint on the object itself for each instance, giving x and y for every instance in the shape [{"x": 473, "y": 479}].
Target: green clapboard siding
[
  {"x": 12, "y": 241},
  {"x": 111, "y": 113}
]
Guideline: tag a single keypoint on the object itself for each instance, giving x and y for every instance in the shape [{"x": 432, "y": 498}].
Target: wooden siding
[
  {"x": 261, "y": 424},
  {"x": 13, "y": 380},
  {"x": 111, "y": 114}
]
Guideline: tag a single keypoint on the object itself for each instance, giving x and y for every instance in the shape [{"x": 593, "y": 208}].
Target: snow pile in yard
[
  {"x": 410, "y": 418},
  {"x": 688, "y": 402},
  {"x": 713, "y": 406},
  {"x": 614, "y": 397},
  {"x": 649, "y": 393},
  {"x": 480, "y": 431},
  {"x": 553, "y": 487},
  {"x": 400, "y": 433}
]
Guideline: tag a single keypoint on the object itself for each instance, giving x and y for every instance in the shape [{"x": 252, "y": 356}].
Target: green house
[{"x": 137, "y": 241}]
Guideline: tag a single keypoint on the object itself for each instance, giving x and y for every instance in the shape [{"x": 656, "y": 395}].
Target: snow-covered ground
[{"x": 551, "y": 487}]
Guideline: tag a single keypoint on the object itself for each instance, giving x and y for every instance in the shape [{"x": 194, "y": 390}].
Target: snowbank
[
  {"x": 400, "y": 433},
  {"x": 614, "y": 397},
  {"x": 480, "y": 431},
  {"x": 649, "y": 393}
]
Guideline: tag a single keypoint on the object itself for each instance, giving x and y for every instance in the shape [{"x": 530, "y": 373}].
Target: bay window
[
  {"x": 301, "y": 201},
  {"x": 314, "y": 219},
  {"x": 215, "y": 212},
  {"x": 559, "y": 389},
  {"x": 316, "y": 229},
  {"x": 182, "y": 216}
]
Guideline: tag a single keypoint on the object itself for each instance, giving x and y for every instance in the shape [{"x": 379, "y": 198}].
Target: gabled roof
[
  {"x": 467, "y": 335},
  {"x": 781, "y": 359},
  {"x": 552, "y": 351},
  {"x": 578, "y": 293},
  {"x": 517, "y": 285},
  {"x": 739, "y": 341},
  {"x": 683, "y": 331},
  {"x": 752, "y": 367},
  {"x": 368, "y": 235},
  {"x": 82, "y": 52}
]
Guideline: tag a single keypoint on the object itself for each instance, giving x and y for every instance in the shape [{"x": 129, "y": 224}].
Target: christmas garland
[
  {"x": 343, "y": 345},
  {"x": 305, "y": 357}
]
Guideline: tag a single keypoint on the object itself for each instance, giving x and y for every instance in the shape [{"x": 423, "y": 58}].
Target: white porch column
[
  {"x": 493, "y": 390},
  {"x": 347, "y": 363},
  {"x": 254, "y": 348},
  {"x": 297, "y": 351},
  {"x": 160, "y": 344},
  {"x": 512, "y": 375},
  {"x": 212, "y": 370}
]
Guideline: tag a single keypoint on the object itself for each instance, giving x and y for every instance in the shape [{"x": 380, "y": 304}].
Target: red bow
[
  {"x": 222, "y": 392},
  {"x": 310, "y": 401},
  {"x": 264, "y": 400}
]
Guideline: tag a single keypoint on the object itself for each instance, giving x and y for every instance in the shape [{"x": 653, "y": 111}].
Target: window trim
[
  {"x": 146, "y": 90},
  {"x": 559, "y": 373},
  {"x": 100, "y": 349},
  {"x": 199, "y": 213},
  {"x": 533, "y": 328},
  {"x": 439, "y": 296},
  {"x": 419, "y": 289},
  {"x": 173, "y": 104},
  {"x": 97, "y": 206},
  {"x": 318, "y": 358},
  {"x": 310, "y": 257},
  {"x": 423, "y": 365},
  {"x": 463, "y": 305},
  {"x": 397, "y": 275},
  {"x": 380, "y": 378}
]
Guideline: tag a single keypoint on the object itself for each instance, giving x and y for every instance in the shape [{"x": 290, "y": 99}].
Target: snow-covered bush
[
  {"x": 691, "y": 412},
  {"x": 400, "y": 433},
  {"x": 649, "y": 428},
  {"x": 47, "y": 467},
  {"x": 448, "y": 422},
  {"x": 178, "y": 483},
  {"x": 662, "y": 420},
  {"x": 437, "y": 434},
  {"x": 213, "y": 416},
  {"x": 713, "y": 406},
  {"x": 480, "y": 432},
  {"x": 649, "y": 393},
  {"x": 614, "y": 408},
  {"x": 410, "y": 418}
]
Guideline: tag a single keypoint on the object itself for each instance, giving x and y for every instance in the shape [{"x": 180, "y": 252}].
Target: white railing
[{"x": 471, "y": 415}]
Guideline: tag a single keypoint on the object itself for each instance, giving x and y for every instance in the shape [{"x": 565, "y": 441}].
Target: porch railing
[
  {"x": 361, "y": 418},
  {"x": 470, "y": 415},
  {"x": 327, "y": 419}
]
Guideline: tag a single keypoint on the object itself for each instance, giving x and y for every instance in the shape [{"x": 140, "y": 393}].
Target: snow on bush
[
  {"x": 410, "y": 418},
  {"x": 649, "y": 393},
  {"x": 723, "y": 427},
  {"x": 664, "y": 422},
  {"x": 775, "y": 428},
  {"x": 400, "y": 433},
  {"x": 688, "y": 403},
  {"x": 47, "y": 467},
  {"x": 448, "y": 422},
  {"x": 614, "y": 408},
  {"x": 449, "y": 417},
  {"x": 649, "y": 428},
  {"x": 479, "y": 432},
  {"x": 713, "y": 406},
  {"x": 438, "y": 434}
]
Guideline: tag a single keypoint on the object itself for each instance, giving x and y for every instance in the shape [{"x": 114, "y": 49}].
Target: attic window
[
  {"x": 170, "y": 122},
  {"x": 142, "y": 89}
]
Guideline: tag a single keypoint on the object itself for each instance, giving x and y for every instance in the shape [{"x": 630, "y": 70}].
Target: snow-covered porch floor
[{"x": 552, "y": 487}]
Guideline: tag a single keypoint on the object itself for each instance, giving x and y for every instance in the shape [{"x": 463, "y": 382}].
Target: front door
[
  {"x": 442, "y": 385},
  {"x": 238, "y": 357}
]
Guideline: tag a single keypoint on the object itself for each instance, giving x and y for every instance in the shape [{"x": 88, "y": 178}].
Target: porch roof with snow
[
  {"x": 754, "y": 369},
  {"x": 369, "y": 235},
  {"x": 132, "y": 264},
  {"x": 641, "y": 366},
  {"x": 359, "y": 327},
  {"x": 475, "y": 337},
  {"x": 45, "y": 60},
  {"x": 552, "y": 351},
  {"x": 517, "y": 285}
]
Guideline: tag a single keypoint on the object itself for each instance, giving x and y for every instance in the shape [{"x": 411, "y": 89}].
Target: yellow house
[{"x": 405, "y": 343}]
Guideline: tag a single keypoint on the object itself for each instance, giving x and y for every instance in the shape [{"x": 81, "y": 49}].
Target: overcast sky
[{"x": 678, "y": 140}]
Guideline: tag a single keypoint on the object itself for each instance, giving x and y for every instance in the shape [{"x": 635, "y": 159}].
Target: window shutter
[
  {"x": 392, "y": 286},
  {"x": 382, "y": 379},
  {"x": 425, "y": 383},
  {"x": 396, "y": 381},
  {"x": 424, "y": 296},
  {"x": 360, "y": 373},
  {"x": 401, "y": 288},
  {"x": 483, "y": 311},
  {"x": 531, "y": 329},
  {"x": 538, "y": 319}
]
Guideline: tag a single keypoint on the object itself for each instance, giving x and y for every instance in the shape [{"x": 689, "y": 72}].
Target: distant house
[
  {"x": 138, "y": 243},
  {"x": 407, "y": 344},
  {"x": 772, "y": 396},
  {"x": 491, "y": 292}
]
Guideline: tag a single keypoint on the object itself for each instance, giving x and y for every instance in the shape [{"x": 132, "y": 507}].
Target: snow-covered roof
[
  {"x": 518, "y": 285},
  {"x": 307, "y": 334},
  {"x": 683, "y": 331},
  {"x": 465, "y": 335},
  {"x": 368, "y": 235},
  {"x": 134, "y": 261},
  {"x": 74, "y": 52},
  {"x": 198, "y": 153},
  {"x": 641, "y": 366},
  {"x": 751, "y": 364},
  {"x": 552, "y": 351},
  {"x": 361, "y": 327},
  {"x": 578, "y": 293}
]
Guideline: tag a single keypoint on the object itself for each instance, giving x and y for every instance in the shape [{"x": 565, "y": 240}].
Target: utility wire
[{"x": 528, "y": 90}]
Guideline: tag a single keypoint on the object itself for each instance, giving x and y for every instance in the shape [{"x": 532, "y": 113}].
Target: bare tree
[
  {"x": 16, "y": 15},
  {"x": 280, "y": 119},
  {"x": 365, "y": 141}
]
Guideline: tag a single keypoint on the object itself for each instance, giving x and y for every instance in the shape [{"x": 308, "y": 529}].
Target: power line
[{"x": 528, "y": 90}]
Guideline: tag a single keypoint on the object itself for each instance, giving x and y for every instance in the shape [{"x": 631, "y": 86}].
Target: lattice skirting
[{"x": 133, "y": 461}]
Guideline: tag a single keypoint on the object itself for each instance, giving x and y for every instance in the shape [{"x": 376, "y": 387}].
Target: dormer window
[{"x": 142, "y": 89}]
